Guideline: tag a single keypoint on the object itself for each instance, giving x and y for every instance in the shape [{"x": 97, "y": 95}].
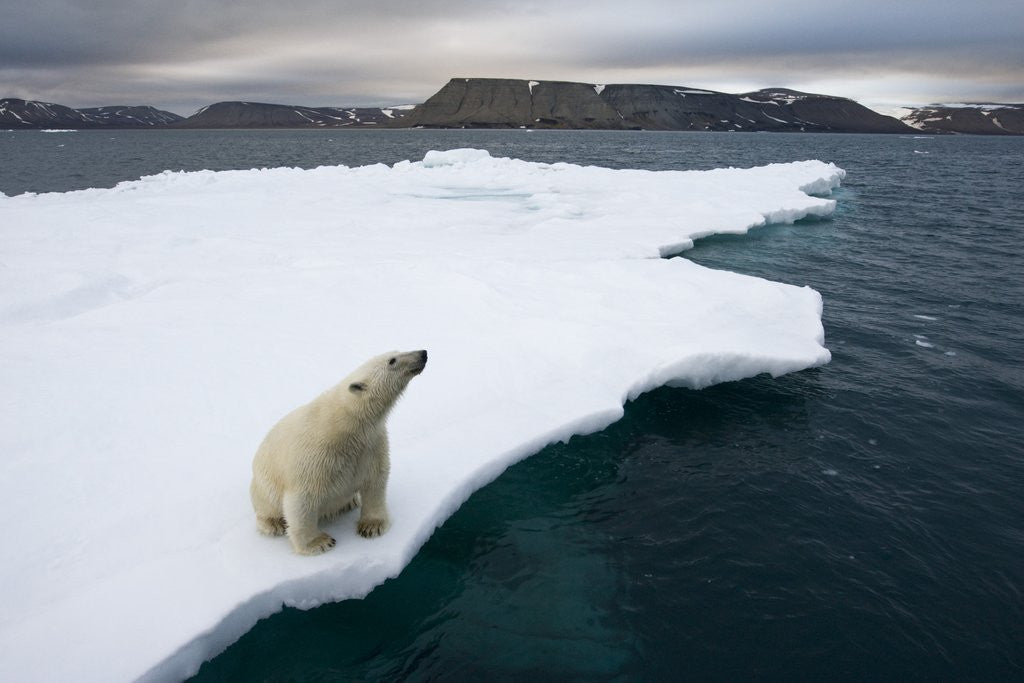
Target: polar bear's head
[{"x": 380, "y": 381}]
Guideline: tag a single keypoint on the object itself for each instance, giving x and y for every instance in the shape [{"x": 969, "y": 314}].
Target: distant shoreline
[{"x": 501, "y": 104}]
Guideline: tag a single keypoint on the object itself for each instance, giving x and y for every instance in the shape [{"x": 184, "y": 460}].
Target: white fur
[{"x": 330, "y": 455}]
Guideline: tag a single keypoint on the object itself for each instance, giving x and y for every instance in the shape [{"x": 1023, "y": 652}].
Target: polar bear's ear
[{"x": 356, "y": 387}]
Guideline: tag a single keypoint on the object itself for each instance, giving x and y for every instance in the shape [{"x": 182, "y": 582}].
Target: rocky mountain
[
  {"x": 658, "y": 107},
  {"x": 261, "y": 115},
  {"x": 121, "y": 116},
  {"x": 512, "y": 103},
  {"x": 821, "y": 113},
  {"x": 976, "y": 118},
  {"x": 508, "y": 103},
  {"x": 16, "y": 113}
]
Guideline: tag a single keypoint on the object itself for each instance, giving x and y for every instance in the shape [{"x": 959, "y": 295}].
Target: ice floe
[{"x": 150, "y": 335}]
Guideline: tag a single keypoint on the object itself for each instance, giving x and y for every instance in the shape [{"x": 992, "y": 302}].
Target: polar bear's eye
[{"x": 391, "y": 362}]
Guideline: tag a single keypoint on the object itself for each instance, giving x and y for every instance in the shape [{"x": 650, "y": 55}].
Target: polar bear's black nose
[{"x": 418, "y": 367}]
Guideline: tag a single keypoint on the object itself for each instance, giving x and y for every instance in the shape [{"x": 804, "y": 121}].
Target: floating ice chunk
[
  {"x": 142, "y": 360},
  {"x": 452, "y": 157}
]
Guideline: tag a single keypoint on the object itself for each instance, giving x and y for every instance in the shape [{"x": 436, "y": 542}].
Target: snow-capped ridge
[
  {"x": 979, "y": 118},
  {"x": 27, "y": 114},
  {"x": 265, "y": 115}
]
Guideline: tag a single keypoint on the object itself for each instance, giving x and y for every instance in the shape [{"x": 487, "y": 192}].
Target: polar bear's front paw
[
  {"x": 320, "y": 544},
  {"x": 368, "y": 528}
]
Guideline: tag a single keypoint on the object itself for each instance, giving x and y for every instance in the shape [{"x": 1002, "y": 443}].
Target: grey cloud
[
  {"x": 745, "y": 31},
  {"x": 50, "y": 32},
  {"x": 176, "y": 54}
]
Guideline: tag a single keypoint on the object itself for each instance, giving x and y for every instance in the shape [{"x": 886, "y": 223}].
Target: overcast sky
[{"x": 182, "y": 54}]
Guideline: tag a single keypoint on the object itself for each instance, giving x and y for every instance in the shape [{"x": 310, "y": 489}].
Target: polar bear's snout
[
  {"x": 412, "y": 362},
  {"x": 420, "y": 361}
]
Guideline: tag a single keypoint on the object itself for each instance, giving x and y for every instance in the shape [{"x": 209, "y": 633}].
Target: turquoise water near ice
[{"x": 863, "y": 520}]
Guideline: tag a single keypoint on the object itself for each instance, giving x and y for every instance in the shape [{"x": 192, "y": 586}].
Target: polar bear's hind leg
[
  {"x": 301, "y": 519},
  {"x": 350, "y": 505},
  {"x": 272, "y": 526}
]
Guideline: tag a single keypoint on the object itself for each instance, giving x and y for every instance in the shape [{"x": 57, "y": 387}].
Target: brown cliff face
[{"x": 509, "y": 103}]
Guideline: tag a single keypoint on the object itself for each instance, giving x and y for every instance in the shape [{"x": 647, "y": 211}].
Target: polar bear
[{"x": 330, "y": 455}]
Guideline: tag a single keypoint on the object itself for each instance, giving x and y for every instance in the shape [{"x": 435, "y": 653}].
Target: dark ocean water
[{"x": 864, "y": 520}]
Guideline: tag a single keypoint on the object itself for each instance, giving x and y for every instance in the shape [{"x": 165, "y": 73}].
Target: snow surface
[
  {"x": 769, "y": 116},
  {"x": 152, "y": 333},
  {"x": 893, "y": 110}
]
